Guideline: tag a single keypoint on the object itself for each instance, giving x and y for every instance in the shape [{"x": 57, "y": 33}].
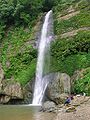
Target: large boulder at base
[
  {"x": 59, "y": 84},
  {"x": 48, "y": 106},
  {"x": 13, "y": 89}
]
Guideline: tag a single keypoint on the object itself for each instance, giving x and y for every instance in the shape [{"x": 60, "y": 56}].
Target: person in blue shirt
[{"x": 68, "y": 100}]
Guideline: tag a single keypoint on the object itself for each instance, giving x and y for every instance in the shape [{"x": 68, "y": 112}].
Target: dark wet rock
[{"x": 28, "y": 91}]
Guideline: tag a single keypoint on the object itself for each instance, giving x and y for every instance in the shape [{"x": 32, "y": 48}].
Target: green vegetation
[
  {"x": 80, "y": 20},
  {"x": 19, "y": 55},
  {"x": 83, "y": 85},
  {"x": 21, "y": 13},
  {"x": 71, "y": 63},
  {"x": 74, "y": 45},
  {"x": 25, "y": 75},
  {"x": 18, "y": 13}
]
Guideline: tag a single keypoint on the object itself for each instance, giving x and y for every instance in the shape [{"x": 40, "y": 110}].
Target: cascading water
[{"x": 43, "y": 54}]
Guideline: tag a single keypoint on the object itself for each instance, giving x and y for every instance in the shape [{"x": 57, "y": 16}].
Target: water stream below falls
[{"x": 43, "y": 59}]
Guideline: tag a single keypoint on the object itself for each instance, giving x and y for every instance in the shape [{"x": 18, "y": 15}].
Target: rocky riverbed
[{"x": 78, "y": 109}]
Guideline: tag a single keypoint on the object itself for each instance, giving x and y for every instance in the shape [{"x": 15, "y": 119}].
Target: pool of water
[{"x": 22, "y": 112}]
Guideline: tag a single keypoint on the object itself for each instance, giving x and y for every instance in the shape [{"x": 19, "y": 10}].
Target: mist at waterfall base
[{"x": 43, "y": 60}]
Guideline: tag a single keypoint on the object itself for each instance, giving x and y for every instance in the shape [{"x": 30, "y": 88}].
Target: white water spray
[{"x": 44, "y": 46}]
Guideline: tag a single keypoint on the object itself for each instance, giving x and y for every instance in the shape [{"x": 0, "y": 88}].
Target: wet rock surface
[{"x": 28, "y": 92}]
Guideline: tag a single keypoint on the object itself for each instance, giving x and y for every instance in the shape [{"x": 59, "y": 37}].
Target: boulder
[
  {"x": 4, "y": 99},
  {"x": 48, "y": 106},
  {"x": 12, "y": 89},
  {"x": 59, "y": 84},
  {"x": 9, "y": 89}
]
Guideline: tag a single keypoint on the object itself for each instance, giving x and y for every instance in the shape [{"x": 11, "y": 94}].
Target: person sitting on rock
[{"x": 68, "y": 100}]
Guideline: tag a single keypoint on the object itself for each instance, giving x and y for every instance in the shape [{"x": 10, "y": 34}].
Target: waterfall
[{"x": 43, "y": 59}]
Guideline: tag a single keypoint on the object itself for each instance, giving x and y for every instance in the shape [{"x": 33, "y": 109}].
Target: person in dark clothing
[{"x": 68, "y": 100}]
